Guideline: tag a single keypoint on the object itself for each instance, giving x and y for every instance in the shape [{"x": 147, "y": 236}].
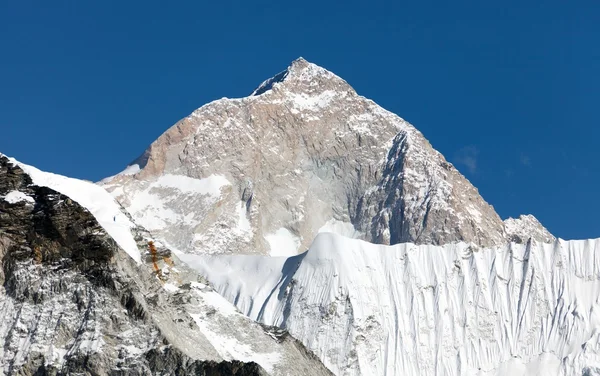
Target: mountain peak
[
  {"x": 306, "y": 153},
  {"x": 300, "y": 62},
  {"x": 302, "y": 75}
]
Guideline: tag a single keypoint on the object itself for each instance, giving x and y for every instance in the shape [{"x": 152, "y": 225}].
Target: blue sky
[{"x": 508, "y": 92}]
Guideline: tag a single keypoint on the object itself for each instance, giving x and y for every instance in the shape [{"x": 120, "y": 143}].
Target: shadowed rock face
[
  {"x": 69, "y": 304},
  {"x": 302, "y": 151}
]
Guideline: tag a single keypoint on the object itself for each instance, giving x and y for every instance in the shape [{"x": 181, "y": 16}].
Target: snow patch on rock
[
  {"x": 14, "y": 197},
  {"x": 229, "y": 348},
  {"x": 210, "y": 185},
  {"x": 154, "y": 207},
  {"x": 341, "y": 228},
  {"x": 283, "y": 243}
]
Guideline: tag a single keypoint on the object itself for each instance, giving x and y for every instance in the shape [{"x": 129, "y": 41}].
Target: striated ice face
[{"x": 408, "y": 309}]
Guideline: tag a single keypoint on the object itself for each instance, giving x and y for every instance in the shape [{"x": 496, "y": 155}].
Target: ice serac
[
  {"x": 303, "y": 151},
  {"x": 366, "y": 309},
  {"x": 72, "y": 301}
]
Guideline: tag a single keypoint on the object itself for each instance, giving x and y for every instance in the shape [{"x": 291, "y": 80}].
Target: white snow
[
  {"x": 160, "y": 202},
  {"x": 258, "y": 274},
  {"x": 210, "y": 185},
  {"x": 170, "y": 287},
  {"x": 212, "y": 298},
  {"x": 427, "y": 310},
  {"x": 243, "y": 224},
  {"x": 283, "y": 243},
  {"x": 95, "y": 199},
  {"x": 129, "y": 170},
  {"x": 13, "y": 197},
  {"x": 306, "y": 102},
  {"x": 341, "y": 228},
  {"x": 198, "y": 285}
]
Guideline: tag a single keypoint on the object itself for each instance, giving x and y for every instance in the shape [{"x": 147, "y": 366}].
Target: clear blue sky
[{"x": 508, "y": 92}]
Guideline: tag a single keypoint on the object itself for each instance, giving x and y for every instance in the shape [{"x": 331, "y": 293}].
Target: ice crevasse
[{"x": 367, "y": 309}]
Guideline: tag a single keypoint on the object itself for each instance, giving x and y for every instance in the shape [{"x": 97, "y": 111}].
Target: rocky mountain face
[
  {"x": 73, "y": 302},
  {"x": 303, "y": 154}
]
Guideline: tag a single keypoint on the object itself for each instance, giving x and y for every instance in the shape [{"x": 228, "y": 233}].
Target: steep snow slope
[
  {"x": 94, "y": 198},
  {"x": 408, "y": 309},
  {"x": 303, "y": 152}
]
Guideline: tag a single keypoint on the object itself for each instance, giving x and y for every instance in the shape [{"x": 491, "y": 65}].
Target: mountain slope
[
  {"x": 264, "y": 174},
  {"x": 368, "y": 309},
  {"x": 73, "y": 302}
]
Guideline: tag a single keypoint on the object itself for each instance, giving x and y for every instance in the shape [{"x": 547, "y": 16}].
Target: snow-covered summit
[{"x": 301, "y": 75}]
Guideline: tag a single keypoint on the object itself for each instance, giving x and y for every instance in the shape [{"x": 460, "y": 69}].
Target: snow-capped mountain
[
  {"x": 83, "y": 293},
  {"x": 409, "y": 309},
  {"x": 408, "y": 270},
  {"x": 303, "y": 154}
]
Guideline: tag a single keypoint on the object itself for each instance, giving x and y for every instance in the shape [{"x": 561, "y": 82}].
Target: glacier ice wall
[{"x": 427, "y": 310}]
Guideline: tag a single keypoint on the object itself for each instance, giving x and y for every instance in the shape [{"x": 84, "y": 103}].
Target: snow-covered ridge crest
[
  {"x": 94, "y": 198},
  {"x": 366, "y": 309}
]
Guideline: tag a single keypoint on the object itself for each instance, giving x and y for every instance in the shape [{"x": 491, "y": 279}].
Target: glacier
[{"x": 458, "y": 309}]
